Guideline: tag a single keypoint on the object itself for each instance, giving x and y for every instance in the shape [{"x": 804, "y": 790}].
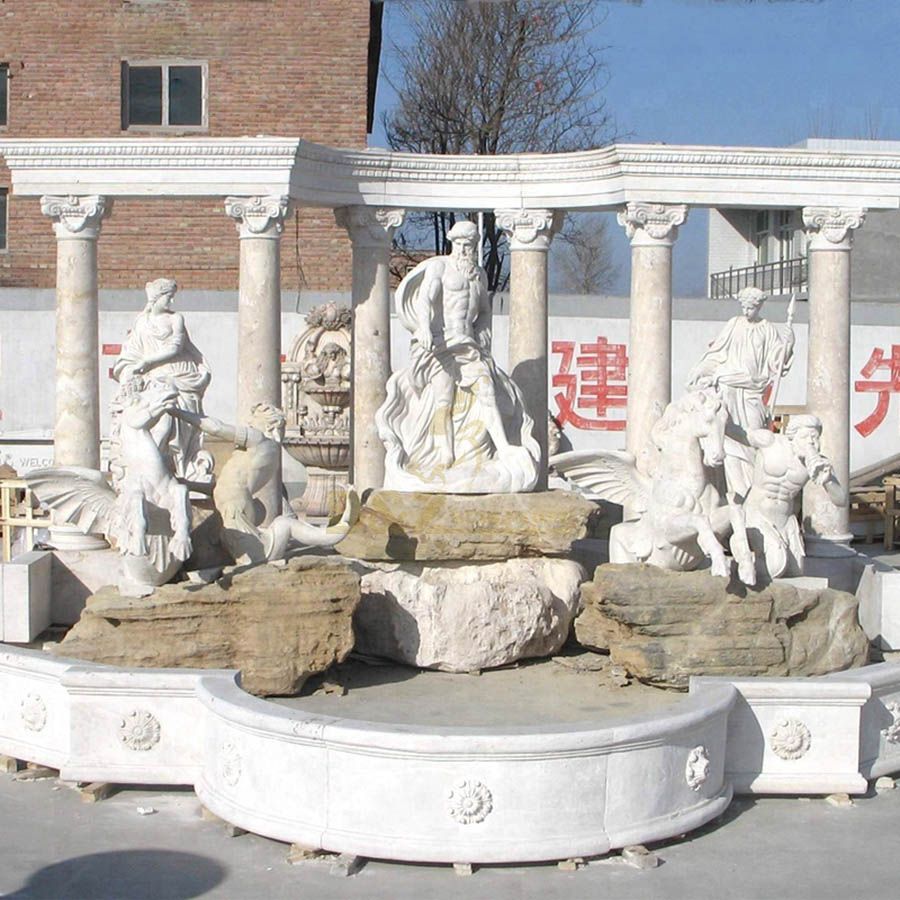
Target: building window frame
[
  {"x": 165, "y": 64},
  {"x": 4, "y": 96}
]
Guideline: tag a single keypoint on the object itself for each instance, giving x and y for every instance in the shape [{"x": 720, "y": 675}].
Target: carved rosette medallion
[
  {"x": 139, "y": 730},
  {"x": 830, "y": 226},
  {"x": 258, "y": 217},
  {"x": 790, "y": 739},
  {"x": 75, "y": 216},
  {"x": 657, "y": 221},
  {"x": 33, "y": 712},
  {"x": 230, "y": 763},
  {"x": 529, "y": 229},
  {"x": 892, "y": 732},
  {"x": 696, "y": 771},
  {"x": 470, "y": 802}
]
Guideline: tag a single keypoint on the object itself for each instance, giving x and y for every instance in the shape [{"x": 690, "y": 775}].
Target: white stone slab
[
  {"x": 25, "y": 596},
  {"x": 793, "y": 735}
]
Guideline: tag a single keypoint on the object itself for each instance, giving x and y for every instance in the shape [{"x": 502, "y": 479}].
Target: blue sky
[{"x": 764, "y": 73}]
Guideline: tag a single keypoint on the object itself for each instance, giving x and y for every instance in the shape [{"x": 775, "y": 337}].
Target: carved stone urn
[{"x": 316, "y": 394}]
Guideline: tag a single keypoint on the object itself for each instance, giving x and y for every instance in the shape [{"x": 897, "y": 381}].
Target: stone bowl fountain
[{"x": 316, "y": 393}]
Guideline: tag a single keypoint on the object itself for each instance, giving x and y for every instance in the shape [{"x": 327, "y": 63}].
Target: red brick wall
[{"x": 278, "y": 67}]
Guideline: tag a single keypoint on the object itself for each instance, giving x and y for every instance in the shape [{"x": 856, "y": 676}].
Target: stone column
[
  {"x": 652, "y": 229},
  {"x": 828, "y": 364},
  {"x": 260, "y": 222},
  {"x": 76, "y": 434},
  {"x": 529, "y": 232},
  {"x": 371, "y": 230}
]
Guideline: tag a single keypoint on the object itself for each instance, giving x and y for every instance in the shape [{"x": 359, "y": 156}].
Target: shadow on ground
[{"x": 124, "y": 875}]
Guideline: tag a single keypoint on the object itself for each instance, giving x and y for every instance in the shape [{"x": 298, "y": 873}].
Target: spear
[{"x": 779, "y": 372}]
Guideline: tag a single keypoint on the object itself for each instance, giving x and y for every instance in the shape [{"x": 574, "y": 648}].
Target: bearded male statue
[{"x": 453, "y": 422}]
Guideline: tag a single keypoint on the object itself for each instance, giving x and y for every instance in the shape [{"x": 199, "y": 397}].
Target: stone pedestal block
[
  {"x": 278, "y": 624},
  {"x": 460, "y": 617},
  {"x": 665, "y": 627},
  {"x": 395, "y": 525}
]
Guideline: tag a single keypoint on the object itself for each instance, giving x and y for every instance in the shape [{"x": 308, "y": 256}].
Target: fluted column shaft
[
  {"x": 828, "y": 362},
  {"x": 652, "y": 229},
  {"x": 76, "y": 434},
  {"x": 371, "y": 230},
  {"x": 529, "y": 232}
]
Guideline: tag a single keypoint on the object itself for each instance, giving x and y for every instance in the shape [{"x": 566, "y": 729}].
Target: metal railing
[{"x": 783, "y": 277}]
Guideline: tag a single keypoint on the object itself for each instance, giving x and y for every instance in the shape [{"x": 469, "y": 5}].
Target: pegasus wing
[
  {"x": 610, "y": 474},
  {"x": 79, "y": 497}
]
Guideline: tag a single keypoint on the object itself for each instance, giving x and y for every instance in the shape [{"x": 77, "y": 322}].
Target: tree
[
  {"x": 584, "y": 265},
  {"x": 496, "y": 77}
]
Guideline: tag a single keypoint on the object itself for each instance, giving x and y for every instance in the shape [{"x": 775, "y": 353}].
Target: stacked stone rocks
[{"x": 461, "y": 583}]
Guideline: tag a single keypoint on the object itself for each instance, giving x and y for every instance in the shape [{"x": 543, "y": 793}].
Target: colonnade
[{"x": 652, "y": 228}]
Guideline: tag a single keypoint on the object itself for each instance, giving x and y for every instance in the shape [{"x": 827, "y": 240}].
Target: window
[
  {"x": 3, "y": 206},
  {"x": 157, "y": 94},
  {"x": 4, "y": 94}
]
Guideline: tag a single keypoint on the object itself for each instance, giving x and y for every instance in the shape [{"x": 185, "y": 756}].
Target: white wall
[{"x": 27, "y": 365}]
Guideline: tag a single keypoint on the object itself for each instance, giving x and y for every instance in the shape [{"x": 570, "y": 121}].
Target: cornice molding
[{"x": 315, "y": 175}]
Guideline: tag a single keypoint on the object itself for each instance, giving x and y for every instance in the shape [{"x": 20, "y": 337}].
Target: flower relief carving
[
  {"x": 470, "y": 802},
  {"x": 892, "y": 732},
  {"x": 33, "y": 712},
  {"x": 139, "y": 730},
  {"x": 696, "y": 771},
  {"x": 790, "y": 739},
  {"x": 230, "y": 763}
]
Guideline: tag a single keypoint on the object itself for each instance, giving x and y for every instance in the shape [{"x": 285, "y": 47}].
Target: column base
[{"x": 68, "y": 537}]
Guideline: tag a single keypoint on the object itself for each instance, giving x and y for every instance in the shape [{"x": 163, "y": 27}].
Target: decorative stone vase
[{"x": 316, "y": 394}]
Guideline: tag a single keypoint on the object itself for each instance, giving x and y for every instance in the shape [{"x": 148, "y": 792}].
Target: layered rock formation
[
  {"x": 666, "y": 626},
  {"x": 277, "y": 623},
  {"x": 394, "y": 525}
]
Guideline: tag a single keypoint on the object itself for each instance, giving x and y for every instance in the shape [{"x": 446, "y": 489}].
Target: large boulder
[
  {"x": 461, "y": 617},
  {"x": 666, "y": 626},
  {"x": 277, "y": 623},
  {"x": 410, "y": 526}
]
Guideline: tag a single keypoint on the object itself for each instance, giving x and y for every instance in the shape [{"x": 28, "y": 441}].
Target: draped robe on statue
[
  {"x": 183, "y": 366},
  {"x": 742, "y": 362},
  {"x": 408, "y": 422}
]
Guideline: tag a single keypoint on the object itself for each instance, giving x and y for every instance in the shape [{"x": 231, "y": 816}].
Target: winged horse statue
[{"x": 673, "y": 490}]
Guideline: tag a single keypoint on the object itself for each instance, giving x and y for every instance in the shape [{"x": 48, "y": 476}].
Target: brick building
[{"x": 201, "y": 68}]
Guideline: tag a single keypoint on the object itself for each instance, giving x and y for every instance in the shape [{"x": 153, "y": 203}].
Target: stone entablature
[{"x": 315, "y": 175}]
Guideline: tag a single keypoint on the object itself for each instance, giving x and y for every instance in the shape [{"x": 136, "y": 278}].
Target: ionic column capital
[
  {"x": 258, "y": 217},
  {"x": 831, "y": 227},
  {"x": 76, "y": 217},
  {"x": 652, "y": 223},
  {"x": 529, "y": 229},
  {"x": 370, "y": 226}
]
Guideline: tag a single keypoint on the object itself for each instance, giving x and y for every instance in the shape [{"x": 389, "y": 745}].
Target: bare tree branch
[{"x": 514, "y": 76}]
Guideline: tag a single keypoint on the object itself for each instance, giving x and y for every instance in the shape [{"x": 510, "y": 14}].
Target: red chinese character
[
  {"x": 884, "y": 389},
  {"x": 597, "y": 365}
]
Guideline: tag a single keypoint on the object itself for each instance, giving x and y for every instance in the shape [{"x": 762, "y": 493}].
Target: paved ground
[{"x": 54, "y": 846}]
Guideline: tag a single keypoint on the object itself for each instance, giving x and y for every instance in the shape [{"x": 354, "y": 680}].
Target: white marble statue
[
  {"x": 748, "y": 355},
  {"x": 159, "y": 346},
  {"x": 251, "y": 467},
  {"x": 146, "y": 515},
  {"x": 453, "y": 422},
  {"x": 783, "y": 464},
  {"x": 680, "y": 513}
]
